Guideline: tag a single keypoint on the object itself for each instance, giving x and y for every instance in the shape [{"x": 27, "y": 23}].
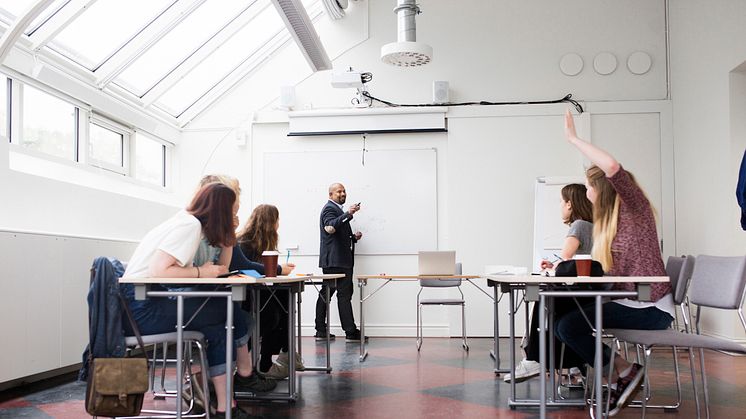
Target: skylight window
[
  {"x": 10, "y": 10},
  {"x": 104, "y": 28},
  {"x": 179, "y": 43},
  {"x": 222, "y": 61}
]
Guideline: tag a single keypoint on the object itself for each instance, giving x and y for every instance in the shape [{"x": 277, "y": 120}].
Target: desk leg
[
  {"x": 598, "y": 362},
  {"x": 542, "y": 357},
  {"x": 228, "y": 356},
  {"x": 291, "y": 345},
  {"x": 511, "y": 347},
  {"x": 329, "y": 327},
  {"x": 255, "y": 332},
  {"x": 553, "y": 395},
  {"x": 179, "y": 352},
  {"x": 327, "y": 296},
  {"x": 299, "y": 336},
  {"x": 363, "y": 352},
  {"x": 496, "y": 341}
]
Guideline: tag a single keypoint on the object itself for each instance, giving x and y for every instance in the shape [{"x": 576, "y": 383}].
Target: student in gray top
[{"x": 577, "y": 212}]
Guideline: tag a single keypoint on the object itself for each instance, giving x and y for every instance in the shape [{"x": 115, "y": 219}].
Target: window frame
[
  {"x": 166, "y": 158},
  {"x": 108, "y": 124}
]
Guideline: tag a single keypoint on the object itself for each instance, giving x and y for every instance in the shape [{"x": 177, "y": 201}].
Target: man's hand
[
  {"x": 354, "y": 208},
  {"x": 358, "y": 235}
]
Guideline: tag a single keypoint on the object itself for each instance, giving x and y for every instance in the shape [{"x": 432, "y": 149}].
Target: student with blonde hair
[{"x": 625, "y": 241}]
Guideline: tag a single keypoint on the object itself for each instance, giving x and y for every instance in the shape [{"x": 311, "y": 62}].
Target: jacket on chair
[{"x": 104, "y": 313}]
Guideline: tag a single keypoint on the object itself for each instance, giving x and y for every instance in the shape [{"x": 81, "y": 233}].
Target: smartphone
[{"x": 227, "y": 274}]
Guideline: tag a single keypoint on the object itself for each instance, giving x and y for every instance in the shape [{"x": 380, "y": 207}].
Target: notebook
[{"x": 437, "y": 262}]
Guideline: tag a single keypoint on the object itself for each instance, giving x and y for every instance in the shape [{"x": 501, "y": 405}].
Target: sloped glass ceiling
[{"x": 164, "y": 56}]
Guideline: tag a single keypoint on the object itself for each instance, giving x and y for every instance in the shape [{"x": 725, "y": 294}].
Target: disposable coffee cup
[
  {"x": 583, "y": 265},
  {"x": 269, "y": 260}
]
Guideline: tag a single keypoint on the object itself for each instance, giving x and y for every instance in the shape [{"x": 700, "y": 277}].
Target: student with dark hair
[
  {"x": 625, "y": 241},
  {"x": 257, "y": 236},
  {"x": 577, "y": 212},
  {"x": 167, "y": 251}
]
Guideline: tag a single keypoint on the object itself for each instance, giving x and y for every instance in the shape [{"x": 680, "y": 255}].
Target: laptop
[{"x": 437, "y": 262}]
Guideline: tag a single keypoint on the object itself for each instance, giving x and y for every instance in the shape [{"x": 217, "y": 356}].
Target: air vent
[{"x": 301, "y": 28}]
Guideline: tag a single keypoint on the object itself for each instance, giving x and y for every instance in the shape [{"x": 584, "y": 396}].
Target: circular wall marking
[
  {"x": 639, "y": 62},
  {"x": 604, "y": 63},
  {"x": 571, "y": 64}
]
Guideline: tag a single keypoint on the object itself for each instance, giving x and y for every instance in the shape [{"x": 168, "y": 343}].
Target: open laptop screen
[{"x": 437, "y": 262}]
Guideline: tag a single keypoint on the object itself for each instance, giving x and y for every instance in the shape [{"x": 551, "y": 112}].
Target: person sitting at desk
[
  {"x": 167, "y": 251},
  {"x": 577, "y": 212},
  {"x": 625, "y": 241},
  {"x": 257, "y": 236}
]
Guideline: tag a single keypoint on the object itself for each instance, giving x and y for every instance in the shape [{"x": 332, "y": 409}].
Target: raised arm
[{"x": 597, "y": 156}]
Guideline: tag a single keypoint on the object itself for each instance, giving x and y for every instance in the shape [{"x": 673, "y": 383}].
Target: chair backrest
[
  {"x": 718, "y": 281},
  {"x": 434, "y": 283},
  {"x": 679, "y": 270}
]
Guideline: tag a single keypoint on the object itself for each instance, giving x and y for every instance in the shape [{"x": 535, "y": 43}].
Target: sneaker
[
  {"x": 277, "y": 372},
  {"x": 320, "y": 337},
  {"x": 236, "y": 413},
  {"x": 282, "y": 359},
  {"x": 524, "y": 370},
  {"x": 253, "y": 384},
  {"x": 629, "y": 385},
  {"x": 354, "y": 336}
]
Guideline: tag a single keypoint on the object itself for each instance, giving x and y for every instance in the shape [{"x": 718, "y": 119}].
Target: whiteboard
[
  {"x": 549, "y": 229},
  {"x": 397, "y": 190}
]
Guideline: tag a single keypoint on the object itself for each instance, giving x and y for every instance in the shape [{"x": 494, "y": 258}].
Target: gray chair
[
  {"x": 191, "y": 339},
  {"x": 442, "y": 283},
  {"x": 717, "y": 282}
]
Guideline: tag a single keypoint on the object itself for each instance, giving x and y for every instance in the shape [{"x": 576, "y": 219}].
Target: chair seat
[
  {"x": 674, "y": 338},
  {"x": 189, "y": 335},
  {"x": 441, "y": 301}
]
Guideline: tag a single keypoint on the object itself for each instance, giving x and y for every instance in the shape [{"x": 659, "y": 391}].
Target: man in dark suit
[{"x": 337, "y": 256}]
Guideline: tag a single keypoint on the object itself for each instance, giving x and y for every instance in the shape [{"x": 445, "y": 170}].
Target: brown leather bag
[{"x": 117, "y": 386}]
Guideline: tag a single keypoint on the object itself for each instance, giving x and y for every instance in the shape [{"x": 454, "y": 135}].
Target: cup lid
[
  {"x": 270, "y": 253},
  {"x": 582, "y": 257}
]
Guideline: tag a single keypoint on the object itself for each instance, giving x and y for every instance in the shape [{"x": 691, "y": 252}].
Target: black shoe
[
  {"x": 236, "y": 413},
  {"x": 354, "y": 336},
  {"x": 320, "y": 337},
  {"x": 253, "y": 384}
]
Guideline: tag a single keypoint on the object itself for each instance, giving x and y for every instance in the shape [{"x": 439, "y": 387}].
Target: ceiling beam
[
  {"x": 19, "y": 25},
  {"x": 58, "y": 22}
]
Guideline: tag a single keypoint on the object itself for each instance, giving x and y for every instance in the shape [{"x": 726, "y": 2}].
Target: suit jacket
[{"x": 338, "y": 248}]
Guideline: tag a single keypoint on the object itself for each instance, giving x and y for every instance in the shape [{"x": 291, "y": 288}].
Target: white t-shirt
[{"x": 178, "y": 236}]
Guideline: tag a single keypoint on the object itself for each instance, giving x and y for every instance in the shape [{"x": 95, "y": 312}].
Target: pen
[
  {"x": 558, "y": 257},
  {"x": 287, "y": 259}
]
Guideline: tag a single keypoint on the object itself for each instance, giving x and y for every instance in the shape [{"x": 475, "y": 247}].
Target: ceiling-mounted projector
[{"x": 406, "y": 52}]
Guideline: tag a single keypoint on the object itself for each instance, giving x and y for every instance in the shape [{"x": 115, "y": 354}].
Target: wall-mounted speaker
[{"x": 440, "y": 91}]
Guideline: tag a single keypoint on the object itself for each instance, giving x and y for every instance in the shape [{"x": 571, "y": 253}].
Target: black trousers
[
  {"x": 562, "y": 306},
  {"x": 344, "y": 301}
]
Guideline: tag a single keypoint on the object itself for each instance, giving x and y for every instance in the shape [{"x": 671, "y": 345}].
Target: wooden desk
[
  {"x": 237, "y": 292},
  {"x": 534, "y": 286},
  {"x": 362, "y": 281}
]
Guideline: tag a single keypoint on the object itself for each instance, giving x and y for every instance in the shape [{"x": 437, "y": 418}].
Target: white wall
[
  {"x": 487, "y": 50},
  {"x": 707, "y": 44}
]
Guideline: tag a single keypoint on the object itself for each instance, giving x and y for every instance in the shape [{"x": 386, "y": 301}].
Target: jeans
[
  {"x": 575, "y": 331},
  {"x": 344, "y": 302},
  {"x": 158, "y": 315}
]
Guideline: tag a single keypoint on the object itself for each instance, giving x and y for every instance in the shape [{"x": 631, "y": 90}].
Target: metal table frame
[
  {"x": 533, "y": 288},
  {"x": 362, "y": 281}
]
